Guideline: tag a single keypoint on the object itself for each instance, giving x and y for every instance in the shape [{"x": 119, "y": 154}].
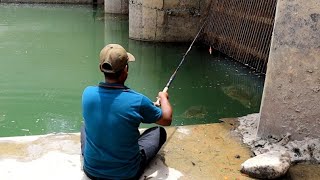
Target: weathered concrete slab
[
  {"x": 306, "y": 150},
  {"x": 54, "y": 1},
  {"x": 40, "y": 157},
  {"x": 192, "y": 152},
  {"x": 51, "y": 1}
]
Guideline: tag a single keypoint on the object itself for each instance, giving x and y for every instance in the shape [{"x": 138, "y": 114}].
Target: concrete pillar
[
  {"x": 165, "y": 20},
  {"x": 291, "y": 99},
  {"x": 116, "y": 6}
]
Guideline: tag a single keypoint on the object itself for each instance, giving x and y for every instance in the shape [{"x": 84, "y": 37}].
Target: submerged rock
[
  {"x": 269, "y": 165},
  {"x": 241, "y": 93},
  {"x": 197, "y": 112}
]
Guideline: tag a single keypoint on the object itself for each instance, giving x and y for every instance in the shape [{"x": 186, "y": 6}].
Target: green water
[{"x": 49, "y": 54}]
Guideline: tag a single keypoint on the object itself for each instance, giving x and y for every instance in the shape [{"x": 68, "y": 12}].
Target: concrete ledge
[{"x": 191, "y": 152}]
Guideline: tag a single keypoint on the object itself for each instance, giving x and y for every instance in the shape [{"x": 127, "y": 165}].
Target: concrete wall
[
  {"x": 166, "y": 20},
  {"x": 291, "y": 99},
  {"x": 116, "y": 6},
  {"x": 118, "y": 27},
  {"x": 53, "y": 1}
]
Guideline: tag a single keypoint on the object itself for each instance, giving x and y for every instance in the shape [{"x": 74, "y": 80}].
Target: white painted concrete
[{"x": 56, "y": 157}]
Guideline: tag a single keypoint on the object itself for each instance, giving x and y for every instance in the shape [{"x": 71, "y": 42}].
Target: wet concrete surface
[
  {"x": 304, "y": 172},
  {"x": 208, "y": 151}
]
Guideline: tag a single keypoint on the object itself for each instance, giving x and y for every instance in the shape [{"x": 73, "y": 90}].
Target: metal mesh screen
[{"x": 241, "y": 29}]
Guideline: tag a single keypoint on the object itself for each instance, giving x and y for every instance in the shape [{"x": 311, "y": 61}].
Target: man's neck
[{"x": 113, "y": 81}]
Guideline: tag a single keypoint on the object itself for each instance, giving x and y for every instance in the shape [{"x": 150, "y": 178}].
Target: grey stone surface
[
  {"x": 51, "y": 1},
  {"x": 269, "y": 165},
  {"x": 166, "y": 20},
  {"x": 116, "y": 6},
  {"x": 306, "y": 150},
  {"x": 291, "y": 94}
]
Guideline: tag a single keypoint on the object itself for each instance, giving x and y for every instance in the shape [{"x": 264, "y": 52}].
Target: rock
[
  {"x": 317, "y": 155},
  {"x": 304, "y": 150},
  {"x": 195, "y": 112},
  {"x": 285, "y": 139},
  {"x": 299, "y": 151},
  {"x": 269, "y": 165},
  {"x": 260, "y": 143},
  {"x": 241, "y": 93}
]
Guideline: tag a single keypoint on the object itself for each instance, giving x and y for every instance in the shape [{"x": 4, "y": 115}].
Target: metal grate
[{"x": 241, "y": 29}]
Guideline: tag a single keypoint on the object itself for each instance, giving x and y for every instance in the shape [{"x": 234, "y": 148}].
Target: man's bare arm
[{"x": 166, "y": 108}]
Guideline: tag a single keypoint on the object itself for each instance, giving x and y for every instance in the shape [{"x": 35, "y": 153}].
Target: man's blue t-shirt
[{"x": 112, "y": 116}]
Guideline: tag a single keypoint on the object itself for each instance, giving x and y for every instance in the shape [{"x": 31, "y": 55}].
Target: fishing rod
[{"x": 165, "y": 89}]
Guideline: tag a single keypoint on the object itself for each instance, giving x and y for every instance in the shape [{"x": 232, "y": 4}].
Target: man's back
[
  {"x": 111, "y": 144},
  {"x": 112, "y": 116}
]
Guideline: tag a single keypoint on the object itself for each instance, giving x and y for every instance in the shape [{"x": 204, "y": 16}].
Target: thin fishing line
[{"x": 183, "y": 58}]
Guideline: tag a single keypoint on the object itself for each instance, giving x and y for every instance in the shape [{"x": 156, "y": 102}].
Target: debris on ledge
[
  {"x": 274, "y": 155},
  {"x": 299, "y": 151}
]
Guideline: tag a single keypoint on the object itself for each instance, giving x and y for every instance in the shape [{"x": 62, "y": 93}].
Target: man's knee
[
  {"x": 163, "y": 136},
  {"x": 82, "y": 138}
]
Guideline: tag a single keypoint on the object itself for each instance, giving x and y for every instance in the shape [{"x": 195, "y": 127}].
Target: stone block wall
[
  {"x": 166, "y": 20},
  {"x": 116, "y": 6},
  {"x": 291, "y": 99},
  {"x": 52, "y": 1}
]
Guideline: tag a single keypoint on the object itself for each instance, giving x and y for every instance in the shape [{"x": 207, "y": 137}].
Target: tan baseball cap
[{"x": 114, "y": 58}]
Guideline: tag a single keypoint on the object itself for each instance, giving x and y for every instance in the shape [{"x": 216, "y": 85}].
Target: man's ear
[{"x": 125, "y": 73}]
